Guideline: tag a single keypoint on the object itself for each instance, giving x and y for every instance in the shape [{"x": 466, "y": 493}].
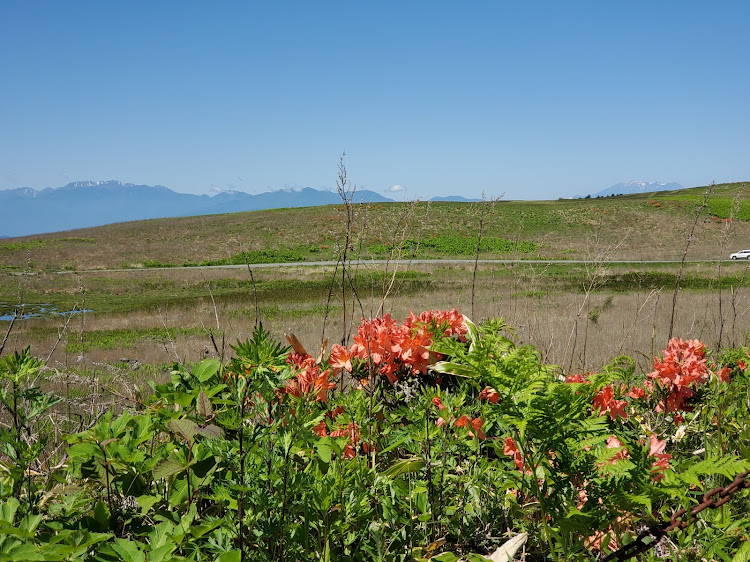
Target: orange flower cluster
[
  {"x": 656, "y": 450},
  {"x": 463, "y": 421},
  {"x": 614, "y": 443},
  {"x": 392, "y": 347},
  {"x": 683, "y": 366},
  {"x": 351, "y": 431},
  {"x": 605, "y": 402},
  {"x": 511, "y": 449},
  {"x": 309, "y": 380},
  {"x": 489, "y": 394},
  {"x": 661, "y": 463}
]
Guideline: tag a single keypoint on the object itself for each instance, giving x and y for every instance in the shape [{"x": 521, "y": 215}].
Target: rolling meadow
[{"x": 144, "y": 284}]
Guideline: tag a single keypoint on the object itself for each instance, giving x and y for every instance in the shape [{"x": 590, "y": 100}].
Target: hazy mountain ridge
[
  {"x": 455, "y": 199},
  {"x": 637, "y": 186},
  {"x": 83, "y": 204}
]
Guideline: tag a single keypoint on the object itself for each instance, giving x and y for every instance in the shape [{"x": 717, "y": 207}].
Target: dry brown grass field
[{"x": 580, "y": 315}]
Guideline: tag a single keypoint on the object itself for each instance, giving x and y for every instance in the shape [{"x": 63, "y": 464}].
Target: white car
[{"x": 741, "y": 255}]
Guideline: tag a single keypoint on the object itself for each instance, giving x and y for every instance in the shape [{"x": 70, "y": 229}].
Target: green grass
[
  {"x": 126, "y": 293},
  {"x": 451, "y": 245},
  {"x": 19, "y": 246},
  {"x": 127, "y": 338}
]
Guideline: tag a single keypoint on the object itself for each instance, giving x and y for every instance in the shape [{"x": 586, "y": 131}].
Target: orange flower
[
  {"x": 320, "y": 429},
  {"x": 335, "y": 412},
  {"x": 340, "y": 358},
  {"x": 511, "y": 449},
  {"x": 605, "y": 402},
  {"x": 613, "y": 443},
  {"x": 636, "y": 392},
  {"x": 463, "y": 421},
  {"x": 310, "y": 380},
  {"x": 351, "y": 431},
  {"x": 450, "y": 318},
  {"x": 489, "y": 394},
  {"x": 438, "y": 403},
  {"x": 477, "y": 423},
  {"x": 661, "y": 463}
]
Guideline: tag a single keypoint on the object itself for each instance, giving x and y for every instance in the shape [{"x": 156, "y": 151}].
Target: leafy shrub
[{"x": 425, "y": 439}]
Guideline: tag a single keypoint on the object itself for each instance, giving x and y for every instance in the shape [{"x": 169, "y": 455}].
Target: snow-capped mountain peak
[{"x": 637, "y": 186}]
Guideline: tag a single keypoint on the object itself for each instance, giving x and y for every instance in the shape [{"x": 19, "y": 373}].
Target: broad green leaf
[
  {"x": 324, "y": 451},
  {"x": 8, "y": 510},
  {"x": 477, "y": 558},
  {"x": 27, "y": 552},
  {"x": 231, "y": 556},
  {"x": 404, "y": 466},
  {"x": 143, "y": 430},
  {"x": 445, "y": 557},
  {"x": 146, "y": 502},
  {"x": 743, "y": 554},
  {"x": 420, "y": 498},
  {"x": 187, "y": 519},
  {"x": 102, "y": 515},
  {"x": 84, "y": 451},
  {"x": 161, "y": 553},
  {"x": 167, "y": 467},
  {"x": 206, "y": 369},
  {"x": 211, "y": 431},
  {"x": 179, "y": 495},
  {"x": 128, "y": 550},
  {"x": 30, "y": 523},
  {"x": 204, "y": 405},
  {"x": 197, "y": 531},
  {"x": 186, "y": 428},
  {"x": 161, "y": 535},
  {"x": 119, "y": 424},
  {"x": 456, "y": 369}
]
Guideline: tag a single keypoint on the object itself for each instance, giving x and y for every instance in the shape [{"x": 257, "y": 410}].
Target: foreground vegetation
[{"x": 428, "y": 439}]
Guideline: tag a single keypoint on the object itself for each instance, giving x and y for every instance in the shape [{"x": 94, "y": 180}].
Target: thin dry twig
[
  {"x": 10, "y": 329},
  {"x": 163, "y": 318},
  {"x": 698, "y": 212},
  {"x": 400, "y": 232},
  {"x": 61, "y": 334}
]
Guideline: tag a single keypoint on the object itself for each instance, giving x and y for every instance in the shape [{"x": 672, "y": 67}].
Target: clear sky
[{"x": 533, "y": 100}]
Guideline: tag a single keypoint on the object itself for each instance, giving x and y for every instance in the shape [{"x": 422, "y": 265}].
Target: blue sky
[{"x": 532, "y": 100}]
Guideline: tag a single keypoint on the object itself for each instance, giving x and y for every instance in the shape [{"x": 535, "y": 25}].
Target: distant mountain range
[
  {"x": 84, "y": 204},
  {"x": 637, "y": 186},
  {"x": 455, "y": 199}
]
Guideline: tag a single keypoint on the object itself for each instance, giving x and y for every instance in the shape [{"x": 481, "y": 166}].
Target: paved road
[{"x": 407, "y": 262}]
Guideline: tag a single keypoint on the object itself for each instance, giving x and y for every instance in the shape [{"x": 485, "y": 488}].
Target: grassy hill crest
[{"x": 638, "y": 226}]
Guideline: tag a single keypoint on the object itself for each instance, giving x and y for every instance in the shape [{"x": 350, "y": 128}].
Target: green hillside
[{"x": 647, "y": 226}]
